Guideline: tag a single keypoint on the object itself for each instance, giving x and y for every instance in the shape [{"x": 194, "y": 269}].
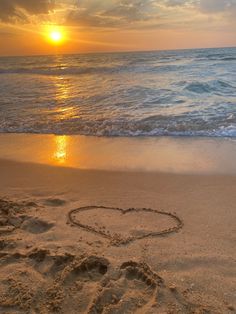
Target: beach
[
  {"x": 102, "y": 238},
  {"x": 117, "y": 157}
]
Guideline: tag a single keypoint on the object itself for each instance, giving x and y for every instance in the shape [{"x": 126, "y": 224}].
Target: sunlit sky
[{"x": 114, "y": 25}]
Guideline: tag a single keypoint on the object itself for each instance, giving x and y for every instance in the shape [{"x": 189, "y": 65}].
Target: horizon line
[{"x": 114, "y": 52}]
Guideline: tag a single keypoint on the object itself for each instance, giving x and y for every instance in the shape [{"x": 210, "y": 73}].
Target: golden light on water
[{"x": 60, "y": 154}]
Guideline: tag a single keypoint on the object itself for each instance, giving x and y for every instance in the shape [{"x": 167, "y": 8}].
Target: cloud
[
  {"x": 114, "y": 13},
  {"x": 122, "y": 14},
  {"x": 18, "y": 10},
  {"x": 213, "y": 6},
  {"x": 207, "y": 6},
  {"x": 174, "y": 3},
  {"x": 150, "y": 14}
]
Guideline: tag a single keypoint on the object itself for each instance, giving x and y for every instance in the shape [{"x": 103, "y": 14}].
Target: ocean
[{"x": 162, "y": 93}]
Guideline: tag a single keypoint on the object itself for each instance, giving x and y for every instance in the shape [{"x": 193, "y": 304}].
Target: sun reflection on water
[
  {"x": 60, "y": 154},
  {"x": 64, "y": 110},
  {"x": 62, "y": 88}
]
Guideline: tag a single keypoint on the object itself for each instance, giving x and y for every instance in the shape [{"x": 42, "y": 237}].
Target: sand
[
  {"x": 180, "y": 155},
  {"x": 83, "y": 241}
]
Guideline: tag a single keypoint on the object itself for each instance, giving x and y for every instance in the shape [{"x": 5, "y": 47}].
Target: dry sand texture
[{"x": 59, "y": 254}]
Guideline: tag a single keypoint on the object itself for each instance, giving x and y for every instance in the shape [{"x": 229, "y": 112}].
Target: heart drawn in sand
[{"x": 123, "y": 226}]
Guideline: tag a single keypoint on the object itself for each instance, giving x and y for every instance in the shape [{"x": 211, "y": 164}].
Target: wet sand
[
  {"x": 181, "y": 155},
  {"x": 54, "y": 261}
]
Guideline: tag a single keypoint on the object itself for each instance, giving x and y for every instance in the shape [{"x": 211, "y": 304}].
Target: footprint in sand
[
  {"x": 12, "y": 215},
  {"x": 9, "y": 216},
  {"x": 131, "y": 292},
  {"x": 55, "y": 202},
  {"x": 29, "y": 282},
  {"x": 139, "y": 290},
  {"x": 81, "y": 282},
  {"x": 49, "y": 265},
  {"x": 40, "y": 282},
  {"x": 35, "y": 225}
]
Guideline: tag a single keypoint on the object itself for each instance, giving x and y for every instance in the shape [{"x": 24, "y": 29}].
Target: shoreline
[{"x": 147, "y": 154}]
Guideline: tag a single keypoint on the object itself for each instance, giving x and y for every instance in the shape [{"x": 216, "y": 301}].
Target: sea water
[{"x": 176, "y": 93}]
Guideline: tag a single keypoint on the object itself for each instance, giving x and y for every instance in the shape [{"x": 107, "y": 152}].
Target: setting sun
[{"x": 56, "y": 36}]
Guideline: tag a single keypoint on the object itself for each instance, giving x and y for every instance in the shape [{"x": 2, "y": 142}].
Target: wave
[
  {"x": 156, "y": 125},
  {"x": 228, "y": 59},
  {"x": 229, "y": 132},
  {"x": 57, "y": 71},
  {"x": 223, "y": 55},
  {"x": 133, "y": 94},
  {"x": 214, "y": 86}
]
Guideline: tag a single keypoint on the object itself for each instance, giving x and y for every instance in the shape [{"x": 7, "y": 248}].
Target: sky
[{"x": 115, "y": 25}]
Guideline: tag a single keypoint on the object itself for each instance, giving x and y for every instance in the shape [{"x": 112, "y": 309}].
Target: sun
[{"x": 56, "y": 36}]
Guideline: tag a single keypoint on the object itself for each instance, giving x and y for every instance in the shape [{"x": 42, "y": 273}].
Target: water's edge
[{"x": 163, "y": 154}]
